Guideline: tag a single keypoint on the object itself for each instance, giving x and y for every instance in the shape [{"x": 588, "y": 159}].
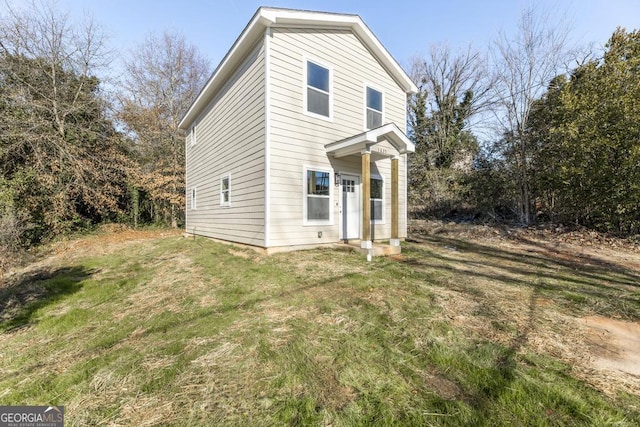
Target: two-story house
[{"x": 297, "y": 140}]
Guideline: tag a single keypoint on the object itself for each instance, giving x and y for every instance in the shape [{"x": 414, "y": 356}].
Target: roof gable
[
  {"x": 266, "y": 17},
  {"x": 357, "y": 143}
]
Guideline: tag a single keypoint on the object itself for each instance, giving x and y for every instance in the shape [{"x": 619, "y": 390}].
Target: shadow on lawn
[
  {"x": 549, "y": 273},
  {"x": 584, "y": 268},
  {"x": 582, "y": 281},
  {"x": 505, "y": 367},
  {"x": 34, "y": 290}
]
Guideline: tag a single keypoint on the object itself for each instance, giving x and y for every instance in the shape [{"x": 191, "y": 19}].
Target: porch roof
[{"x": 364, "y": 141}]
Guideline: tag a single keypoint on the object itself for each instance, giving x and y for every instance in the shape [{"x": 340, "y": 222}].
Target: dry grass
[
  {"x": 543, "y": 327},
  {"x": 470, "y": 325}
]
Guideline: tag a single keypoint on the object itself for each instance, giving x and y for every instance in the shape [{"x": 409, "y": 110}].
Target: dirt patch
[
  {"x": 444, "y": 387},
  {"x": 614, "y": 344},
  {"x": 109, "y": 239}
]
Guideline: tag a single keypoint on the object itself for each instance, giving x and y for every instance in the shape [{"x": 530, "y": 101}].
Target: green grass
[{"x": 175, "y": 331}]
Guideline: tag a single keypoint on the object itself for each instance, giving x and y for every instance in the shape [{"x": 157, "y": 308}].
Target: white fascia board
[
  {"x": 385, "y": 57},
  {"x": 351, "y": 145},
  {"x": 357, "y": 143},
  {"x": 247, "y": 39},
  {"x": 391, "y": 131}
]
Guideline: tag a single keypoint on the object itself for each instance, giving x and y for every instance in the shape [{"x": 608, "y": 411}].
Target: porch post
[
  {"x": 366, "y": 200},
  {"x": 395, "y": 186}
]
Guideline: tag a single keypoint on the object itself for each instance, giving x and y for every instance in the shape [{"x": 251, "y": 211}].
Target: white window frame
[
  {"x": 312, "y": 222},
  {"x": 194, "y": 198},
  {"x": 366, "y": 107},
  {"x": 305, "y": 87},
  {"x": 228, "y": 190},
  {"x": 383, "y": 219}
]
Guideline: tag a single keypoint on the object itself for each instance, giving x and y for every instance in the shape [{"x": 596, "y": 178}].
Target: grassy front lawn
[{"x": 165, "y": 330}]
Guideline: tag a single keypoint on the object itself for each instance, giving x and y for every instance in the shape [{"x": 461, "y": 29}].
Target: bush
[
  {"x": 491, "y": 193},
  {"x": 437, "y": 193},
  {"x": 13, "y": 227}
]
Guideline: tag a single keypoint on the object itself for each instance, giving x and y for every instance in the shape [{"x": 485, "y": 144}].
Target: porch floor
[{"x": 378, "y": 249}]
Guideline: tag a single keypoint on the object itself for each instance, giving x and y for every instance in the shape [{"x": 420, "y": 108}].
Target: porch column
[
  {"x": 395, "y": 187},
  {"x": 366, "y": 200}
]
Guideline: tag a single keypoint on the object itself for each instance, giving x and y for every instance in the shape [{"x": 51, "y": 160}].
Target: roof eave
[
  {"x": 361, "y": 142},
  {"x": 231, "y": 60},
  {"x": 385, "y": 57}
]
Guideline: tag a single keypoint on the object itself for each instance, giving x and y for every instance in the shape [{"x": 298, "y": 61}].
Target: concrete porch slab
[{"x": 378, "y": 249}]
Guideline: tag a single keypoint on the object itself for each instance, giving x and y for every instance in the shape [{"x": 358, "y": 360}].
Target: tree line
[
  {"x": 511, "y": 133},
  {"x": 77, "y": 150},
  {"x": 530, "y": 130}
]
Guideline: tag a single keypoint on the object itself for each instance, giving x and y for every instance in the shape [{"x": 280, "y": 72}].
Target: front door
[{"x": 350, "y": 207}]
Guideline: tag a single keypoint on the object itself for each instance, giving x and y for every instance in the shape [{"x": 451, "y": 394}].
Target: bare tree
[
  {"x": 454, "y": 88},
  {"x": 451, "y": 75},
  {"x": 53, "y": 130},
  {"x": 41, "y": 31},
  {"x": 163, "y": 76},
  {"x": 525, "y": 64}
]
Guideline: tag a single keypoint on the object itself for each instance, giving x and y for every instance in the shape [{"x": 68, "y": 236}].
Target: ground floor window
[
  {"x": 317, "y": 196},
  {"x": 377, "y": 192},
  {"x": 225, "y": 190}
]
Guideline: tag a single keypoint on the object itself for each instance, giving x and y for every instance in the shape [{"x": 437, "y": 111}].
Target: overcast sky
[{"x": 405, "y": 27}]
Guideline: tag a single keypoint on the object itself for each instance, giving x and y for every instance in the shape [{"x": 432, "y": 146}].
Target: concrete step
[{"x": 378, "y": 249}]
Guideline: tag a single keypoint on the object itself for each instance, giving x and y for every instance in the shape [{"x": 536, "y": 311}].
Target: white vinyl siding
[
  {"x": 298, "y": 139},
  {"x": 231, "y": 142},
  {"x": 192, "y": 136}
]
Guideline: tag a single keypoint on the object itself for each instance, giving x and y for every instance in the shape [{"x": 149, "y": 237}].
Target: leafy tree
[
  {"x": 587, "y": 132},
  {"x": 163, "y": 77},
  {"x": 453, "y": 88}
]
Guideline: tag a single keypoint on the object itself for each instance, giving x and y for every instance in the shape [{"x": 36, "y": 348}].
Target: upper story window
[
  {"x": 192, "y": 136},
  {"x": 374, "y": 108},
  {"x": 318, "y": 90}
]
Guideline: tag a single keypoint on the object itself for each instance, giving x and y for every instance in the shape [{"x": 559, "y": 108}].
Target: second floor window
[
  {"x": 318, "y": 89},
  {"x": 374, "y": 108},
  {"x": 193, "y": 135}
]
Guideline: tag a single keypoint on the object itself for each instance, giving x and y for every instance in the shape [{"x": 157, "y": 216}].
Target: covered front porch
[{"x": 387, "y": 141}]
